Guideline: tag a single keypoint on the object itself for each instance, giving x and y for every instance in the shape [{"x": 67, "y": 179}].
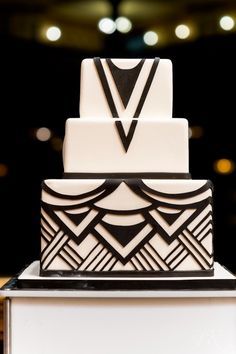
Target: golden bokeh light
[
  {"x": 57, "y": 143},
  {"x": 3, "y": 170},
  {"x": 196, "y": 132},
  {"x": 224, "y": 166}
]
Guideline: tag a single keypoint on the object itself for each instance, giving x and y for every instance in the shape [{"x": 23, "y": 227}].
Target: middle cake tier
[{"x": 126, "y": 146}]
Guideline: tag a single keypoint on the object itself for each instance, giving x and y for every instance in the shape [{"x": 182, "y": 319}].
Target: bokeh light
[
  {"x": 43, "y": 134},
  {"x": 227, "y": 23},
  {"x": 224, "y": 166},
  {"x": 107, "y": 25},
  {"x": 53, "y": 33},
  {"x": 3, "y": 170},
  {"x": 182, "y": 31},
  {"x": 123, "y": 24},
  {"x": 150, "y": 38},
  {"x": 196, "y": 132}
]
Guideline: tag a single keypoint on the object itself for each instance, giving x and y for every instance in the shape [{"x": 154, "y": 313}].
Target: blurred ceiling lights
[
  {"x": 53, "y": 33},
  {"x": 227, "y": 23},
  {"x": 43, "y": 134},
  {"x": 107, "y": 25},
  {"x": 150, "y": 38},
  {"x": 85, "y": 24},
  {"x": 182, "y": 31}
]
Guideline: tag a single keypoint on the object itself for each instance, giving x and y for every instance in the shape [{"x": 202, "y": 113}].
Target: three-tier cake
[{"x": 126, "y": 204}]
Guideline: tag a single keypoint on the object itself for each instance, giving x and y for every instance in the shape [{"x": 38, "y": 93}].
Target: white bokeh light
[
  {"x": 182, "y": 31},
  {"x": 150, "y": 38},
  {"x": 123, "y": 24},
  {"x": 107, "y": 25},
  {"x": 227, "y": 23},
  {"x": 53, "y": 33},
  {"x": 43, "y": 134}
]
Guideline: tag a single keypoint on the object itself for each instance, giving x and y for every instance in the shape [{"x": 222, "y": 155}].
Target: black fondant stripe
[
  {"x": 200, "y": 223},
  {"x": 194, "y": 193},
  {"x": 149, "y": 284},
  {"x": 176, "y": 256},
  {"x": 88, "y": 255},
  {"x": 200, "y": 263},
  {"x": 47, "y": 223},
  {"x": 64, "y": 253},
  {"x": 106, "y": 88},
  {"x": 50, "y": 191},
  {"x": 113, "y": 265},
  {"x": 126, "y": 139},
  {"x": 48, "y": 245},
  {"x": 181, "y": 260},
  {"x": 45, "y": 258},
  {"x": 133, "y": 265},
  {"x": 139, "y": 263},
  {"x": 191, "y": 238},
  {"x": 205, "y": 235},
  {"x": 43, "y": 228},
  {"x": 58, "y": 253},
  {"x": 100, "y": 261},
  {"x": 126, "y": 175},
  {"x": 153, "y": 258},
  {"x": 145, "y": 259},
  {"x": 94, "y": 259},
  {"x": 169, "y": 254},
  {"x": 107, "y": 262},
  {"x": 158, "y": 255},
  {"x": 83, "y": 284},
  {"x": 147, "y": 87}
]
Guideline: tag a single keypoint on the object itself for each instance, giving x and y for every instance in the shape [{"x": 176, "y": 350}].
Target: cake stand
[{"x": 120, "y": 315}]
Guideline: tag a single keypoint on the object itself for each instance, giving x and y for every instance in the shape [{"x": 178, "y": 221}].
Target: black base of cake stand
[{"x": 30, "y": 279}]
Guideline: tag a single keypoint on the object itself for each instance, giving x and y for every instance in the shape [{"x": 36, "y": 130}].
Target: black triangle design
[
  {"x": 170, "y": 218},
  {"x": 125, "y": 79},
  {"x": 126, "y": 139},
  {"x": 77, "y": 218},
  {"x": 124, "y": 234}
]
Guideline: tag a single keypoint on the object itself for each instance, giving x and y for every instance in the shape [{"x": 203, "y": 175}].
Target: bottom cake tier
[{"x": 126, "y": 227}]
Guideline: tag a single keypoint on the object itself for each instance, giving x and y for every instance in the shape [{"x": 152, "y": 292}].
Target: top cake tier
[{"x": 126, "y": 88}]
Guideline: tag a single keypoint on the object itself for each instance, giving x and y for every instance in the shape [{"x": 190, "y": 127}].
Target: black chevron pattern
[{"x": 151, "y": 239}]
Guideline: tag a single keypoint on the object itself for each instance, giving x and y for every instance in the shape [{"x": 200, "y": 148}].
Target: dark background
[{"x": 40, "y": 87}]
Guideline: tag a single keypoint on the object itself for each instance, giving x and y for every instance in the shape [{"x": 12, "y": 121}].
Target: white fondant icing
[
  {"x": 74, "y": 188},
  {"x": 126, "y": 199},
  {"x": 158, "y": 103},
  {"x": 174, "y": 186},
  {"x": 94, "y": 146},
  {"x": 125, "y": 220}
]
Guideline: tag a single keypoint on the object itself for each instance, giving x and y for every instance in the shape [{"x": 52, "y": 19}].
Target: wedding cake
[{"x": 126, "y": 204}]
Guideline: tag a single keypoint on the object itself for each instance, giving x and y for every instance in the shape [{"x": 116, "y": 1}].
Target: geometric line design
[
  {"x": 95, "y": 242},
  {"x": 125, "y": 89}
]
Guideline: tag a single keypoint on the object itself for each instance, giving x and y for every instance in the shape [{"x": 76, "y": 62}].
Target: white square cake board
[{"x": 47, "y": 321}]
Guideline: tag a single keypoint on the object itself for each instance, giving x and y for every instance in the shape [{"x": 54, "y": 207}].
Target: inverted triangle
[
  {"x": 77, "y": 218},
  {"x": 170, "y": 218},
  {"x": 124, "y": 234},
  {"x": 125, "y": 79},
  {"x": 126, "y": 138}
]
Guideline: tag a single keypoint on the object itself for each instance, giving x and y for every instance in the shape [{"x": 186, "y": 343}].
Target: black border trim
[
  {"x": 126, "y": 175},
  {"x": 206, "y": 284},
  {"x": 126, "y": 274},
  {"x": 107, "y": 285}
]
